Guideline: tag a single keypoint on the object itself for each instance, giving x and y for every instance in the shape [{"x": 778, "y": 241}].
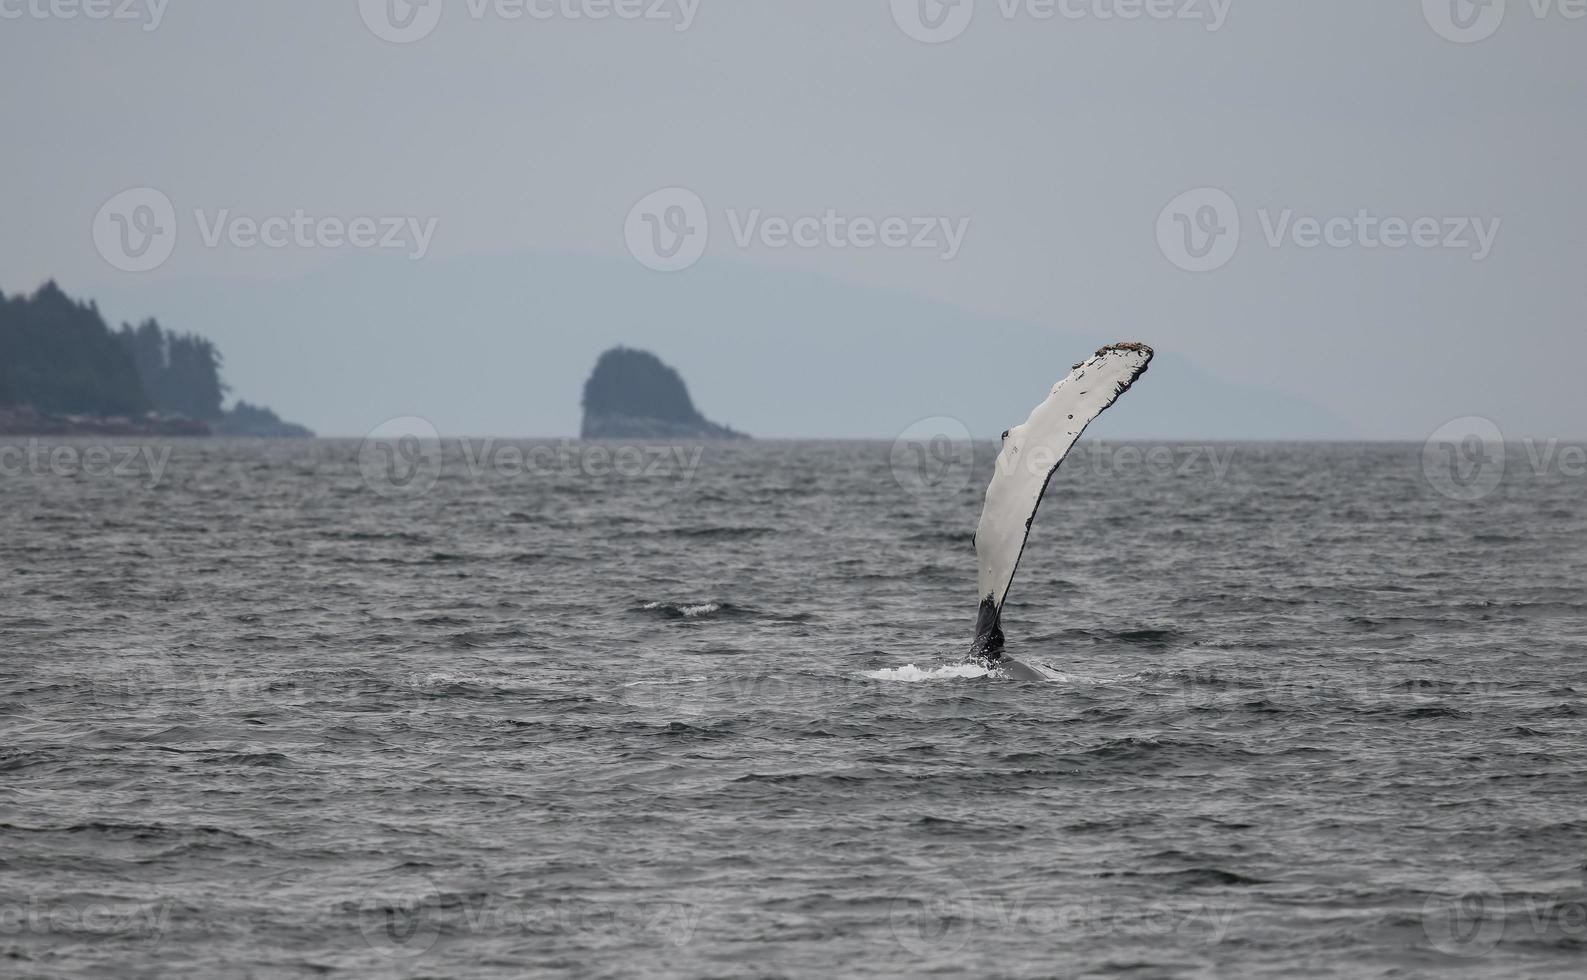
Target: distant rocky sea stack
[{"x": 633, "y": 395}]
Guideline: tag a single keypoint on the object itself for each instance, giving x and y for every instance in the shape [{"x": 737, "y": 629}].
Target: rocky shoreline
[
  {"x": 613, "y": 426},
  {"x": 28, "y": 421}
]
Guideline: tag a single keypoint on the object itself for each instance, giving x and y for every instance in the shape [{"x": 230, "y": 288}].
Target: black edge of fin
[{"x": 988, "y": 643}]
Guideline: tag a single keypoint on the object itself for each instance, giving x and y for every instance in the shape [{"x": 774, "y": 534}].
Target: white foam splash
[
  {"x": 448, "y": 680},
  {"x": 914, "y": 675},
  {"x": 689, "y": 612}
]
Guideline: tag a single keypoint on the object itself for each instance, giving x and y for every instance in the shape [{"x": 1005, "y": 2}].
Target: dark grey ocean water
[{"x": 558, "y": 715}]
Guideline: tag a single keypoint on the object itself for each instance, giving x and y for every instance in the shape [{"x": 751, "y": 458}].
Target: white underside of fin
[{"x": 1031, "y": 453}]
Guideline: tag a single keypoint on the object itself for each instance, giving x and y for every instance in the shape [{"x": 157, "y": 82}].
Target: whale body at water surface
[{"x": 1031, "y": 453}]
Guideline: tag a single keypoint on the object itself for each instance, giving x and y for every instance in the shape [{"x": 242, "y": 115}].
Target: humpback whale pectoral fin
[
  {"x": 1022, "y": 474},
  {"x": 988, "y": 643}
]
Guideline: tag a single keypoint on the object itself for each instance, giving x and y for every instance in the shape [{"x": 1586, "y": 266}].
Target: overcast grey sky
[{"x": 1030, "y": 150}]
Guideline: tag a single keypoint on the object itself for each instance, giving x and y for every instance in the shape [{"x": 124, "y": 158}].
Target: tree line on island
[{"x": 64, "y": 371}]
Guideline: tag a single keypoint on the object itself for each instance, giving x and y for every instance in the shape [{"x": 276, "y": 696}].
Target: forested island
[
  {"x": 632, "y": 395},
  {"x": 63, "y": 371}
]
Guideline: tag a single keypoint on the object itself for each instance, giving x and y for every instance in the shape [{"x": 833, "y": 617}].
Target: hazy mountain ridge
[{"x": 787, "y": 353}]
